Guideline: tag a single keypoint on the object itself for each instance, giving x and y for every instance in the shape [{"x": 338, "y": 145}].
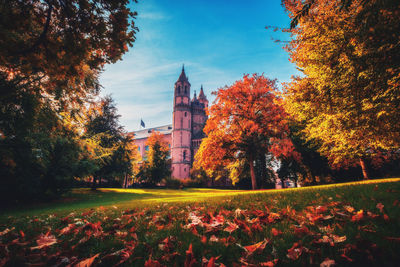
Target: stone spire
[
  {"x": 201, "y": 94},
  {"x": 194, "y": 97},
  {"x": 182, "y": 77}
]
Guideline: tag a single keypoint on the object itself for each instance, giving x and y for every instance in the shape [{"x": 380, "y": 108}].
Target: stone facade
[{"x": 186, "y": 132}]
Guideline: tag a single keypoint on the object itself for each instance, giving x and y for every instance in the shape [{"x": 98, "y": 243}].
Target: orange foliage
[{"x": 245, "y": 121}]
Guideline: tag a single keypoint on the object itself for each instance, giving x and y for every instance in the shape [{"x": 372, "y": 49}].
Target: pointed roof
[
  {"x": 194, "y": 97},
  {"x": 201, "y": 94},
  {"x": 182, "y": 77}
]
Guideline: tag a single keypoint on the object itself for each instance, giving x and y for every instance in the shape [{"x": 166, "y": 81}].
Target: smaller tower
[
  {"x": 202, "y": 97},
  {"x": 199, "y": 119}
]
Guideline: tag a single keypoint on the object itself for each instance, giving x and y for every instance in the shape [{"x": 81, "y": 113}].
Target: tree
[
  {"x": 110, "y": 141},
  {"x": 51, "y": 53},
  {"x": 307, "y": 165},
  {"x": 349, "y": 95},
  {"x": 156, "y": 167},
  {"x": 245, "y": 123}
]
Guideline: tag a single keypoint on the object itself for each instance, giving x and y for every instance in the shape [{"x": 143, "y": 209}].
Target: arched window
[
  {"x": 185, "y": 89},
  {"x": 184, "y": 155},
  {"x": 185, "y": 113},
  {"x": 179, "y": 89}
]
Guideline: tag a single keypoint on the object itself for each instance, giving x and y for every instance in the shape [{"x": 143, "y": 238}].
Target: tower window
[
  {"x": 179, "y": 89},
  {"x": 185, "y": 89},
  {"x": 185, "y": 113},
  {"x": 184, "y": 155}
]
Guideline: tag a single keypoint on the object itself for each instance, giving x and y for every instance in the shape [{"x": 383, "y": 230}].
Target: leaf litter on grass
[{"x": 240, "y": 231}]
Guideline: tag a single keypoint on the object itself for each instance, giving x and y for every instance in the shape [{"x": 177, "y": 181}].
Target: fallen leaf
[
  {"x": 359, "y": 215},
  {"x": 258, "y": 247},
  {"x": 87, "y": 262},
  {"x": 231, "y": 227},
  {"x": 327, "y": 263},
  {"x": 6, "y": 231},
  {"x": 380, "y": 206},
  {"x": 45, "y": 241}
]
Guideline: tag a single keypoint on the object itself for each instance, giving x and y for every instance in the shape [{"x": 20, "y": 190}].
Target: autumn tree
[
  {"x": 156, "y": 165},
  {"x": 349, "y": 93},
  {"x": 111, "y": 145},
  {"x": 245, "y": 123},
  {"x": 51, "y": 54}
]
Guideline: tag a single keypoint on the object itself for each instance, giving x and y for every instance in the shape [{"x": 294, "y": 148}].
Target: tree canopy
[
  {"x": 349, "y": 94},
  {"x": 245, "y": 122},
  {"x": 156, "y": 165}
]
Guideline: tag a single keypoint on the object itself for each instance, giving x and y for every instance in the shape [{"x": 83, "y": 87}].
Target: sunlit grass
[
  {"x": 85, "y": 198},
  {"x": 171, "y": 208}
]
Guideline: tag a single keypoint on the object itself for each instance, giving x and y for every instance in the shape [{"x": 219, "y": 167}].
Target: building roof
[
  {"x": 201, "y": 94},
  {"x": 166, "y": 129},
  {"x": 183, "y": 77}
]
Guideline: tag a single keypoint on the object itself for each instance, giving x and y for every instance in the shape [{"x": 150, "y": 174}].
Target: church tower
[{"x": 181, "y": 133}]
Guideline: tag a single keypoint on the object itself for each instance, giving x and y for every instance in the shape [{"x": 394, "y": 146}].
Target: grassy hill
[{"x": 349, "y": 224}]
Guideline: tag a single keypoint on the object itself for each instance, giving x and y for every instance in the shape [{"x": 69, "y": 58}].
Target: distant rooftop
[{"x": 166, "y": 129}]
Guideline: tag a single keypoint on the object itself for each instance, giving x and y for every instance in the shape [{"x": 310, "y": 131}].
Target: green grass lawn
[{"x": 350, "y": 224}]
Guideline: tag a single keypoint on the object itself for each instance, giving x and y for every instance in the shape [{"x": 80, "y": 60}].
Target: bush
[{"x": 173, "y": 183}]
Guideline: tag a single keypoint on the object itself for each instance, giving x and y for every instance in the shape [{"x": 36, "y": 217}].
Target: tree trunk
[
  {"x": 252, "y": 174},
  {"x": 364, "y": 169},
  {"x": 94, "y": 183},
  {"x": 126, "y": 181},
  {"x": 263, "y": 170}
]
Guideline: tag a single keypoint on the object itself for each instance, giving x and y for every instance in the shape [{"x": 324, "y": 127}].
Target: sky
[{"x": 218, "y": 41}]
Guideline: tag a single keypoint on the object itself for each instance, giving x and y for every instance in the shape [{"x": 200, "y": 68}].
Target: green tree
[
  {"x": 51, "y": 54},
  {"x": 157, "y": 166},
  {"x": 103, "y": 126}
]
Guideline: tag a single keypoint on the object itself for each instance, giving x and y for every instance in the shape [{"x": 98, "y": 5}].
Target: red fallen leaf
[
  {"x": 372, "y": 215},
  {"x": 397, "y": 239},
  {"x": 211, "y": 262},
  {"x": 204, "y": 239},
  {"x": 6, "y": 231},
  {"x": 87, "y": 262},
  {"x": 275, "y": 232},
  {"x": 320, "y": 209},
  {"x": 380, "y": 206},
  {"x": 385, "y": 217},
  {"x": 67, "y": 229},
  {"x": 258, "y": 247},
  {"x": 87, "y": 213},
  {"x": 231, "y": 227},
  {"x": 22, "y": 234},
  {"x": 359, "y": 215},
  {"x": 213, "y": 238},
  {"x": 272, "y": 217},
  {"x": 327, "y": 263},
  {"x": 133, "y": 229},
  {"x": 45, "y": 241},
  {"x": 395, "y": 202},
  {"x": 194, "y": 230},
  {"x": 349, "y": 209},
  {"x": 190, "y": 260},
  {"x": 347, "y": 258},
  {"x": 295, "y": 251},
  {"x": 256, "y": 227},
  {"x": 151, "y": 263},
  {"x": 243, "y": 226},
  {"x": 269, "y": 263},
  {"x": 339, "y": 239},
  {"x": 301, "y": 230}
]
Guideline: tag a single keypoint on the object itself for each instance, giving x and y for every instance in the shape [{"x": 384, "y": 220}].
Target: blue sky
[{"x": 218, "y": 41}]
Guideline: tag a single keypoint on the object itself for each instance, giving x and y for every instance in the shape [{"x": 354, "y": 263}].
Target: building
[{"x": 185, "y": 133}]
